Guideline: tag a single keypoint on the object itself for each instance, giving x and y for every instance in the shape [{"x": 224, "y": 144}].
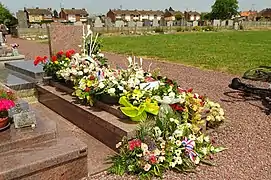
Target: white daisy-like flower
[{"x": 147, "y": 167}]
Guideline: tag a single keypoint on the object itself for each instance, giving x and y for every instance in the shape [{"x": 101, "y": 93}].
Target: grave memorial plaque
[
  {"x": 25, "y": 119},
  {"x": 19, "y": 107}
]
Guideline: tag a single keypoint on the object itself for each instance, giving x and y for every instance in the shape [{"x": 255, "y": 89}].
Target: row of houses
[
  {"x": 141, "y": 15},
  {"x": 35, "y": 15}
]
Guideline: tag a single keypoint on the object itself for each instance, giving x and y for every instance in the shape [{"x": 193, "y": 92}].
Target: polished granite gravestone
[
  {"x": 38, "y": 153},
  {"x": 26, "y": 68},
  {"x": 100, "y": 124}
]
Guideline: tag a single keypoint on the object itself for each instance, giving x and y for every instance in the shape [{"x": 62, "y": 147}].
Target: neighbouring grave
[
  {"x": 119, "y": 23},
  {"x": 230, "y": 23},
  {"x": 9, "y": 53},
  {"x": 24, "y": 148},
  {"x": 22, "y": 19},
  {"x": 98, "y": 23},
  {"x": 139, "y": 24},
  {"x": 216, "y": 22},
  {"x": 223, "y": 23},
  {"x": 195, "y": 23},
  {"x": 155, "y": 23},
  {"x": 131, "y": 24},
  {"x": 169, "y": 23}
]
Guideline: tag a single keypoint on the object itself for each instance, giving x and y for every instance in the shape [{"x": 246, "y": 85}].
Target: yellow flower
[{"x": 56, "y": 62}]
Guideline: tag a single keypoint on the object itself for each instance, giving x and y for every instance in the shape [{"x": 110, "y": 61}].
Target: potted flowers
[
  {"x": 5, "y": 105},
  {"x": 15, "y": 51}
]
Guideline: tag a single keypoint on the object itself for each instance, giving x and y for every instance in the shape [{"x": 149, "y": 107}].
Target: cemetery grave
[
  {"x": 109, "y": 104},
  {"x": 8, "y": 53}
]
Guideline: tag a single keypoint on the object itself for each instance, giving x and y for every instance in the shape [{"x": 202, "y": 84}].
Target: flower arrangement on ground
[{"x": 168, "y": 143}]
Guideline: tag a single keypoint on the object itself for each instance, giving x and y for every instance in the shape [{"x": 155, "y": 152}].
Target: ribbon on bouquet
[
  {"x": 100, "y": 75},
  {"x": 189, "y": 148}
]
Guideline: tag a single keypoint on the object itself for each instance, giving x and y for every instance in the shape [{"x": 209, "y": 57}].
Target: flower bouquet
[
  {"x": 14, "y": 48},
  {"x": 168, "y": 143},
  {"x": 56, "y": 63}
]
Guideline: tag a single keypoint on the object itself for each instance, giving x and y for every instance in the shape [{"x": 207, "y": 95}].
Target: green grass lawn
[{"x": 232, "y": 52}]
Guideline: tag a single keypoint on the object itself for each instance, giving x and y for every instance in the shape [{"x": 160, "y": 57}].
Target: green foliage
[
  {"x": 7, "y": 95},
  {"x": 178, "y": 16},
  {"x": 224, "y": 9},
  {"x": 219, "y": 51},
  {"x": 6, "y": 17},
  {"x": 55, "y": 13},
  {"x": 208, "y": 28},
  {"x": 158, "y": 30},
  {"x": 197, "y": 28},
  {"x": 205, "y": 16}
]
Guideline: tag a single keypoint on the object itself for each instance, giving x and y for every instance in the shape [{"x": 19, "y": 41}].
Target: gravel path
[{"x": 247, "y": 134}]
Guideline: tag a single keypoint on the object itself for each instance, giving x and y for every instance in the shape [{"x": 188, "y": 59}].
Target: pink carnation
[{"x": 6, "y": 104}]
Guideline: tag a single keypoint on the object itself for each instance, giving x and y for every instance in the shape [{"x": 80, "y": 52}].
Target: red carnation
[
  {"x": 153, "y": 159},
  {"x": 190, "y": 90},
  {"x": 92, "y": 77},
  {"x": 60, "y": 53},
  {"x": 87, "y": 89},
  {"x": 135, "y": 143},
  {"x": 54, "y": 58}
]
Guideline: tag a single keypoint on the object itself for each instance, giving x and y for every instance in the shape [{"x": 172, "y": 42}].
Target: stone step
[
  {"x": 100, "y": 124},
  {"x": 26, "y": 68},
  {"x": 18, "y": 138},
  {"x": 65, "y": 158},
  {"x": 97, "y": 151}
]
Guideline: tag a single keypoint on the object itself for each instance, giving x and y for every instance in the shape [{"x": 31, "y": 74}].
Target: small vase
[
  {"x": 3, "y": 122},
  {"x": 15, "y": 52}
]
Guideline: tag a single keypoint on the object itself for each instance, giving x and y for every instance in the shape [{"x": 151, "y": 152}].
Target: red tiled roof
[{"x": 75, "y": 11}]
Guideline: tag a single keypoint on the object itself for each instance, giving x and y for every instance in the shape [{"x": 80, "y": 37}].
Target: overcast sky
[{"x": 102, "y": 6}]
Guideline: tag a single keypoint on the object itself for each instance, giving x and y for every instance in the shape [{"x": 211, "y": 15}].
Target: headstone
[
  {"x": 147, "y": 23},
  {"x": 189, "y": 24},
  {"x": 170, "y": 23},
  {"x": 131, "y": 24},
  {"x": 223, "y": 23},
  {"x": 163, "y": 22},
  {"x": 108, "y": 22},
  {"x": 44, "y": 26},
  {"x": 1, "y": 39},
  {"x": 20, "y": 106},
  {"x": 22, "y": 19},
  {"x": 195, "y": 23},
  {"x": 230, "y": 23},
  {"x": 119, "y": 23},
  {"x": 98, "y": 22},
  {"x": 155, "y": 23},
  {"x": 139, "y": 24},
  {"x": 216, "y": 22},
  {"x": 236, "y": 26},
  {"x": 25, "y": 119}
]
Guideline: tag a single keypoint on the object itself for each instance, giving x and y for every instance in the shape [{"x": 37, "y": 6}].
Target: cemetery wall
[{"x": 31, "y": 32}]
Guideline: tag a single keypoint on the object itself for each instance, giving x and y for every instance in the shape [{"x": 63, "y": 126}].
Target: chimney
[{"x": 37, "y": 7}]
